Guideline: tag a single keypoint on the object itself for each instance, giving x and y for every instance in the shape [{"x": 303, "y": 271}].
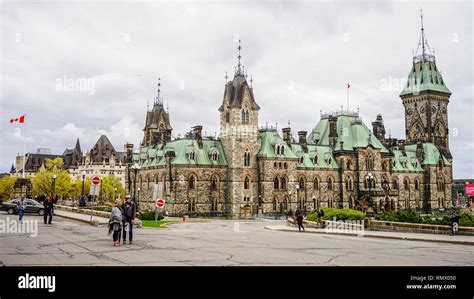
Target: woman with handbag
[{"x": 115, "y": 222}]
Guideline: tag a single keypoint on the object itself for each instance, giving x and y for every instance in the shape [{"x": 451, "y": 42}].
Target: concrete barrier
[{"x": 417, "y": 227}]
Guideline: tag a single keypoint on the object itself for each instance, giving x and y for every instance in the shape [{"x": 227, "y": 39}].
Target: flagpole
[
  {"x": 24, "y": 150},
  {"x": 348, "y": 97}
]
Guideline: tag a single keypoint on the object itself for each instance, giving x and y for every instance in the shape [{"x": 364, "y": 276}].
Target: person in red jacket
[{"x": 299, "y": 220}]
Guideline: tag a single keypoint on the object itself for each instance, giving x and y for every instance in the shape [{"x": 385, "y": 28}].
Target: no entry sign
[
  {"x": 160, "y": 203},
  {"x": 96, "y": 180}
]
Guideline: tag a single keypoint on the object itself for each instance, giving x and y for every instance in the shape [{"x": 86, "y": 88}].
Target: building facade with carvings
[{"x": 340, "y": 162}]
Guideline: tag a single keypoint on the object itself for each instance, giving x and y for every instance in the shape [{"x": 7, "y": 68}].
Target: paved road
[{"x": 218, "y": 242}]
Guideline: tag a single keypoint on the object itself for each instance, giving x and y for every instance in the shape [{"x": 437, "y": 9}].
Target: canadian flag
[
  {"x": 348, "y": 85},
  {"x": 20, "y": 119}
]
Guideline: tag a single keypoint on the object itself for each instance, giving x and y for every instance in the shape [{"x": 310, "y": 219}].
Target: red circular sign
[
  {"x": 96, "y": 180},
  {"x": 160, "y": 203}
]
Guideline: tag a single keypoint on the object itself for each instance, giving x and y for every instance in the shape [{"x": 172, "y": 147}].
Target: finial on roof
[
  {"x": 226, "y": 77},
  {"x": 423, "y": 42},
  {"x": 251, "y": 81},
  {"x": 238, "y": 57},
  {"x": 148, "y": 105},
  {"x": 389, "y": 134},
  {"x": 167, "y": 107},
  {"x": 158, "y": 99},
  {"x": 289, "y": 124}
]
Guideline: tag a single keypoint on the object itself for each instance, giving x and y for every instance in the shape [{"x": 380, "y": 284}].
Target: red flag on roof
[
  {"x": 20, "y": 119},
  {"x": 348, "y": 85}
]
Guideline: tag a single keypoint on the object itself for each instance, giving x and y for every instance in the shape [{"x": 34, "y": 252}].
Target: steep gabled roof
[
  {"x": 350, "y": 129},
  {"x": 424, "y": 76}
]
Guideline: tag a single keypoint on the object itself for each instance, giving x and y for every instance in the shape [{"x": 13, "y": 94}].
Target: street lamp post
[
  {"x": 83, "y": 180},
  {"x": 135, "y": 169},
  {"x": 370, "y": 179},
  {"x": 115, "y": 193},
  {"x": 54, "y": 184}
]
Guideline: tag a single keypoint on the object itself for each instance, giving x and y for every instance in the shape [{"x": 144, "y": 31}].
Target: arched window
[
  {"x": 227, "y": 117},
  {"x": 301, "y": 184},
  {"x": 315, "y": 160},
  {"x": 192, "y": 155},
  {"x": 301, "y": 160},
  {"x": 214, "y": 182},
  {"x": 285, "y": 165},
  {"x": 369, "y": 162},
  {"x": 417, "y": 185},
  {"x": 330, "y": 184},
  {"x": 440, "y": 184},
  {"x": 406, "y": 184},
  {"x": 282, "y": 149},
  {"x": 245, "y": 116},
  {"x": 215, "y": 156},
  {"x": 283, "y": 183},
  {"x": 349, "y": 165},
  {"x": 348, "y": 183},
  {"x": 279, "y": 165},
  {"x": 191, "y": 182},
  {"x": 440, "y": 164},
  {"x": 278, "y": 152},
  {"x": 247, "y": 183},
  {"x": 274, "y": 204},
  {"x": 247, "y": 158},
  {"x": 275, "y": 165},
  {"x": 316, "y": 184},
  {"x": 395, "y": 184},
  {"x": 276, "y": 183}
]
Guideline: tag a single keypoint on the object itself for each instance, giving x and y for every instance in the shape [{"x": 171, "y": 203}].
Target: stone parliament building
[{"x": 341, "y": 163}]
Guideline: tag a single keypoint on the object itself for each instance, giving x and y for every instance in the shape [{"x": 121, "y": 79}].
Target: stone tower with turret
[
  {"x": 240, "y": 139},
  {"x": 425, "y": 99}
]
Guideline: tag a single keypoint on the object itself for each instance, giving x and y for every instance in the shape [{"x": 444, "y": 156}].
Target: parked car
[{"x": 32, "y": 206}]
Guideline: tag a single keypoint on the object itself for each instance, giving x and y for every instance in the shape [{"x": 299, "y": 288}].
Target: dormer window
[
  {"x": 215, "y": 156},
  {"x": 280, "y": 149},
  {"x": 192, "y": 155},
  {"x": 301, "y": 160},
  {"x": 316, "y": 160},
  {"x": 245, "y": 115},
  {"x": 329, "y": 160}
]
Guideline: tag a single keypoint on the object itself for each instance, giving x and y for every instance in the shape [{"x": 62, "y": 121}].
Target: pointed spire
[
  {"x": 158, "y": 99},
  {"x": 78, "y": 145},
  {"x": 423, "y": 42},
  {"x": 239, "y": 66}
]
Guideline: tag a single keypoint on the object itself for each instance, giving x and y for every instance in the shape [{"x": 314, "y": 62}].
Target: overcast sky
[{"x": 300, "y": 54}]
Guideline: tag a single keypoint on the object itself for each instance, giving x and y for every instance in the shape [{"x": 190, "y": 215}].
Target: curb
[
  {"x": 81, "y": 220},
  {"x": 381, "y": 237}
]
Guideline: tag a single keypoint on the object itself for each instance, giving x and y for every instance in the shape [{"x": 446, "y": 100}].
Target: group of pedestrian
[
  {"x": 48, "y": 205},
  {"x": 121, "y": 220}
]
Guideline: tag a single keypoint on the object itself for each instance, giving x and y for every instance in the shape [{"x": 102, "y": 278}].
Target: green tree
[
  {"x": 76, "y": 187},
  {"x": 44, "y": 183},
  {"x": 6, "y": 187},
  {"x": 109, "y": 184}
]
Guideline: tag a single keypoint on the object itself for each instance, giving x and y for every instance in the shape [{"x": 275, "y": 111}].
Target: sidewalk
[
  {"x": 81, "y": 217},
  {"x": 458, "y": 239}
]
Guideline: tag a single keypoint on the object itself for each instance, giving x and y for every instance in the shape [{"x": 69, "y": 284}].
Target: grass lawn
[{"x": 153, "y": 223}]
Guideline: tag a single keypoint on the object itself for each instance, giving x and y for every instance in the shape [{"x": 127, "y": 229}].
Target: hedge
[
  {"x": 149, "y": 216},
  {"x": 339, "y": 214},
  {"x": 412, "y": 217}
]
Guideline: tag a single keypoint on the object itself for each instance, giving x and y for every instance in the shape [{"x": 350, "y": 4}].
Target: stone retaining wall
[
  {"x": 83, "y": 211},
  {"x": 417, "y": 227}
]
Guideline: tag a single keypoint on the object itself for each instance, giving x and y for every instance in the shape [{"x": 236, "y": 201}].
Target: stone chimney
[
  {"x": 197, "y": 134},
  {"x": 332, "y": 131},
  {"x": 378, "y": 128},
  {"x": 287, "y": 135},
  {"x": 302, "y": 140}
]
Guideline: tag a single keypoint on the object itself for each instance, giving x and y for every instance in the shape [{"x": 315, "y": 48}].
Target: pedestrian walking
[
  {"x": 299, "y": 220},
  {"x": 320, "y": 216},
  {"x": 48, "y": 210},
  {"x": 129, "y": 211},
  {"x": 454, "y": 223},
  {"x": 21, "y": 208},
  {"x": 115, "y": 222}
]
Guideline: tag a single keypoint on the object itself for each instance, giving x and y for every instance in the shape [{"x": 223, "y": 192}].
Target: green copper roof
[
  {"x": 431, "y": 154},
  {"x": 350, "y": 129},
  {"x": 270, "y": 139},
  {"x": 154, "y": 156},
  {"x": 423, "y": 76},
  {"x": 324, "y": 159},
  {"x": 406, "y": 161}
]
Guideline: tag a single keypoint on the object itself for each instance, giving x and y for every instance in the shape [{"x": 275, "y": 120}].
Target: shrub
[
  {"x": 412, "y": 217},
  {"x": 466, "y": 219},
  {"x": 149, "y": 216},
  {"x": 340, "y": 214}
]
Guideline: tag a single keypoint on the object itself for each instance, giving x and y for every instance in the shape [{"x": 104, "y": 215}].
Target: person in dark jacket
[
  {"x": 129, "y": 210},
  {"x": 299, "y": 220},
  {"x": 115, "y": 222},
  {"x": 48, "y": 210},
  {"x": 454, "y": 223}
]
